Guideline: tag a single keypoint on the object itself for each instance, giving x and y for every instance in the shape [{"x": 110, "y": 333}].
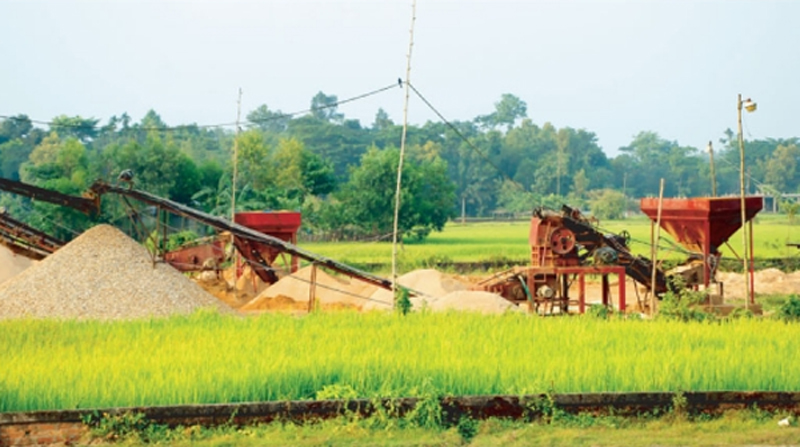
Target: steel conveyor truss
[
  {"x": 24, "y": 240},
  {"x": 100, "y": 188}
]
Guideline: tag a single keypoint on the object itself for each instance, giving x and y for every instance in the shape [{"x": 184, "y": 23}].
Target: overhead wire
[
  {"x": 204, "y": 126},
  {"x": 463, "y": 137}
]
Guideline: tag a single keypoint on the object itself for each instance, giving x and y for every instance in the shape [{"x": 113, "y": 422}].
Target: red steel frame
[
  {"x": 704, "y": 224},
  {"x": 581, "y": 272}
]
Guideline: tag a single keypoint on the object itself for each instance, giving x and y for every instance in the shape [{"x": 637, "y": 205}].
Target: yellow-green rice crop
[
  {"x": 205, "y": 358},
  {"x": 481, "y": 242}
]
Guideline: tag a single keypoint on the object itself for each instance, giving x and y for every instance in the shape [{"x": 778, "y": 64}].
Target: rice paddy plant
[
  {"x": 480, "y": 242},
  {"x": 209, "y": 358}
]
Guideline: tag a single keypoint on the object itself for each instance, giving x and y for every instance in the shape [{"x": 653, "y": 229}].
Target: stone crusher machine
[
  {"x": 566, "y": 246},
  {"x": 702, "y": 226}
]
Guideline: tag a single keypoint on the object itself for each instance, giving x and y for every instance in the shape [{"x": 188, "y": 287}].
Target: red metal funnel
[
  {"x": 282, "y": 225},
  {"x": 702, "y": 224}
]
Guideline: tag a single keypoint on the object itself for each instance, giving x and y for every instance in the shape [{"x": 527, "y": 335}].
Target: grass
[
  {"x": 486, "y": 242},
  {"x": 208, "y": 358},
  {"x": 731, "y": 428}
]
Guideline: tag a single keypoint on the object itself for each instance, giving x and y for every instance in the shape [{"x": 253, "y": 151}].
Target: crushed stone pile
[
  {"x": 767, "y": 282},
  {"x": 102, "y": 274},
  {"x": 329, "y": 291},
  {"x": 12, "y": 264},
  {"x": 473, "y": 301},
  {"x": 432, "y": 283}
]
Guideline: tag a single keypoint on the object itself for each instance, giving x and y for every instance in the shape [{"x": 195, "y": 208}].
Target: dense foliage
[{"x": 339, "y": 171}]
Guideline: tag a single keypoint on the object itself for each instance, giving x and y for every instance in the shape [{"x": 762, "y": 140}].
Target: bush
[
  {"x": 681, "y": 303},
  {"x": 790, "y": 310}
]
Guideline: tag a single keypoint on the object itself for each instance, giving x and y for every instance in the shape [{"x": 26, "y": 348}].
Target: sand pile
[
  {"x": 767, "y": 282},
  {"x": 432, "y": 283},
  {"x": 473, "y": 301},
  {"x": 102, "y": 274},
  {"x": 12, "y": 264},
  {"x": 329, "y": 291},
  {"x": 247, "y": 287}
]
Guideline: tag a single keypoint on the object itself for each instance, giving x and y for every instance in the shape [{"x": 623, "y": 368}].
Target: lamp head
[{"x": 749, "y": 105}]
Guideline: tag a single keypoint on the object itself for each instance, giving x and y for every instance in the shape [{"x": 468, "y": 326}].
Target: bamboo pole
[
  {"x": 402, "y": 151},
  {"x": 654, "y": 250}
]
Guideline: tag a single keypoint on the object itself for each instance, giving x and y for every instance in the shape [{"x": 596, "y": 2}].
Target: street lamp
[{"x": 750, "y": 106}]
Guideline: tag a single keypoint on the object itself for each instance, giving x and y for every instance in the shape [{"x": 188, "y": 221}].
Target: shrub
[{"x": 790, "y": 310}]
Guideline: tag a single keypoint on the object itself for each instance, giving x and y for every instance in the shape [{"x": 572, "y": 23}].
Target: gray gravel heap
[{"x": 102, "y": 274}]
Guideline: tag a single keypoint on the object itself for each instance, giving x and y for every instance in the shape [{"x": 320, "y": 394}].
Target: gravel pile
[
  {"x": 102, "y": 274},
  {"x": 11, "y": 264}
]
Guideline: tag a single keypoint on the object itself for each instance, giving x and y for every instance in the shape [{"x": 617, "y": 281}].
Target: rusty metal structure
[
  {"x": 25, "y": 240},
  {"x": 566, "y": 246},
  {"x": 702, "y": 226},
  {"x": 280, "y": 225},
  {"x": 254, "y": 237},
  {"x": 257, "y": 247},
  {"x": 209, "y": 253}
]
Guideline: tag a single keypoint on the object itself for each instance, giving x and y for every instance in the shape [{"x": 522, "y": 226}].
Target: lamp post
[{"x": 750, "y": 106}]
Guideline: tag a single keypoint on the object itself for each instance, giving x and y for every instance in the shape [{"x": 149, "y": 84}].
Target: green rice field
[
  {"x": 493, "y": 241},
  {"x": 207, "y": 358}
]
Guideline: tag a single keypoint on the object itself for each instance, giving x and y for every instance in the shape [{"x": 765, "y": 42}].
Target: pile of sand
[
  {"x": 12, "y": 264},
  {"x": 102, "y": 274},
  {"x": 473, "y": 301},
  {"x": 329, "y": 291},
  {"x": 431, "y": 283},
  {"x": 225, "y": 287},
  {"x": 767, "y": 282}
]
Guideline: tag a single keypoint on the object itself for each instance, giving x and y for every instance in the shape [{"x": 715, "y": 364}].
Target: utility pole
[
  {"x": 236, "y": 155},
  {"x": 744, "y": 212},
  {"x": 625, "y": 191},
  {"x": 402, "y": 151},
  {"x": 233, "y": 188},
  {"x": 713, "y": 174}
]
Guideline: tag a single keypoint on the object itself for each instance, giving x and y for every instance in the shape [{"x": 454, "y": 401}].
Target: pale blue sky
[{"x": 611, "y": 67}]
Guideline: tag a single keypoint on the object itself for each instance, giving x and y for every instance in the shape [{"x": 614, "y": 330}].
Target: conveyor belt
[
  {"x": 99, "y": 188},
  {"x": 24, "y": 240}
]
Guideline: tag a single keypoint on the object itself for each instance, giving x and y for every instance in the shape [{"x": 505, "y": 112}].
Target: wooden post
[
  {"x": 713, "y": 174},
  {"x": 655, "y": 250},
  {"x": 312, "y": 289}
]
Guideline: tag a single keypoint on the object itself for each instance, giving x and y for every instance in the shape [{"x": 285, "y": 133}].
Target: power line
[
  {"x": 463, "y": 137},
  {"x": 202, "y": 126}
]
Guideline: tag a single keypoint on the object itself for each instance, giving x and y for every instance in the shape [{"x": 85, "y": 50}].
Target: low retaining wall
[{"x": 66, "y": 427}]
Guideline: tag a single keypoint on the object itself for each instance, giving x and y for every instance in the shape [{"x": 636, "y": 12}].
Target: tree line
[{"x": 342, "y": 174}]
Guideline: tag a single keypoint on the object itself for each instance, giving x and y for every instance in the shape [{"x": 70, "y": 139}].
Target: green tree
[
  {"x": 781, "y": 168},
  {"x": 267, "y": 120},
  {"x": 427, "y": 196},
  {"x": 15, "y": 127},
  {"x": 607, "y": 204},
  {"x": 324, "y": 107},
  {"x": 83, "y": 129},
  {"x": 506, "y": 112}
]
